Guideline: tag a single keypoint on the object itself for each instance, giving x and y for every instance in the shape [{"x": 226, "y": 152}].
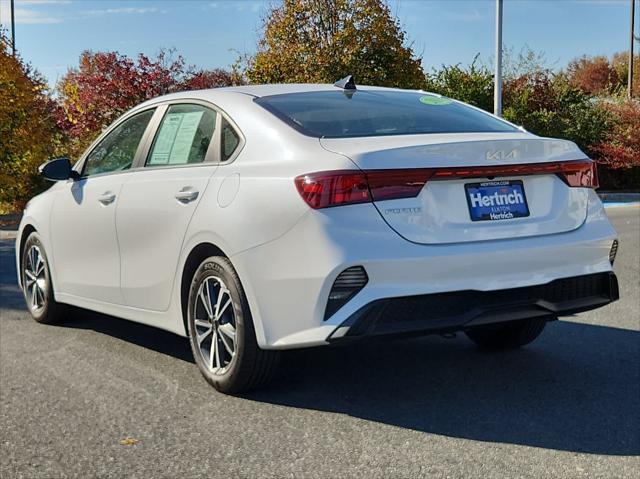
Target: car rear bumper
[
  {"x": 459, "y": 310},
  {"x": 288, "y": 280}
]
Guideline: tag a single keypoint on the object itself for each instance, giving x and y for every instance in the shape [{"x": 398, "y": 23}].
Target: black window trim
[
  {"x": 213, "y": 153},
  {"x": 210, "y": 157},
  {"x": 81, "y": 163}
]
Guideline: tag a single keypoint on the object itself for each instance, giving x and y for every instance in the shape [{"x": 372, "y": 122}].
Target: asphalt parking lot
[{"x": 566, "y": 406}]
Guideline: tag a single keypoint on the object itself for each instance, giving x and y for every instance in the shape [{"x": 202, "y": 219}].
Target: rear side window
[
  {"x": 336, "y": 114},
  {"x": 229, "y": 140},
  {"x": 183, "y": 136}
]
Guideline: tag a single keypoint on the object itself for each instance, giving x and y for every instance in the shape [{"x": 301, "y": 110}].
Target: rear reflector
[
  {"x": 613, "y": 251},
  {"x": 346, "y": 285},
  {"x": 335, "y": 188}
]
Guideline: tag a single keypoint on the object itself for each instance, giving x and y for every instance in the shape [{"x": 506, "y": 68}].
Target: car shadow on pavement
[
  {"x": 147, "y": 337},
  {"x": 11, "y": 298},
  {"x": 10, "y": 294},
  {"x": 576, "y": 389}
]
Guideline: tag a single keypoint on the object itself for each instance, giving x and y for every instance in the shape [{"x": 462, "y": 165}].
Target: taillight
[
  {"x": 394, "y": 184},
  {"x": 333, "y": 188},
  {"x": 580, "y": 174}
]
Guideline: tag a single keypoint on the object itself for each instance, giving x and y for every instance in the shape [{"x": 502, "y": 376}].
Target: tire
[
  {"x": 237, "y": 363},
  {"x": 508, "y": 335},
  {"x": 38, "y": 293}
]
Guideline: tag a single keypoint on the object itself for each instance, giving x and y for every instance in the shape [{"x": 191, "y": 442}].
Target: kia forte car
[{"x": 256, "y": 219}]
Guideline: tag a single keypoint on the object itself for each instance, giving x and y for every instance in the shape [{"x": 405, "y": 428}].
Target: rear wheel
[
  {"x": 507, "y": 335},
  {"x": 36, "y": 282},
  {"x": 221, "y": 330}
]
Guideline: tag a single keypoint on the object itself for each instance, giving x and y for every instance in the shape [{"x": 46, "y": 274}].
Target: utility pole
[
  {"x": 13, "y": 29},
  {"x": 631, "y": 40},
  {"x": 497, "y": 89}
]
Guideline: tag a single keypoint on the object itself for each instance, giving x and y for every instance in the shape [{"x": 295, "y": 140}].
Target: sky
[{"x": 51, "y": 34}]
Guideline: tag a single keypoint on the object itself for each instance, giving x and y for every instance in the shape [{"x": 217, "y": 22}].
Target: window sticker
[
  {"x": 173, "y": 144},
  {"x": 435, "y": 100}
]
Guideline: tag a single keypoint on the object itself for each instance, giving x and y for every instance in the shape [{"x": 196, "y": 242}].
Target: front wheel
[
  {"x": 507, "y": 335},
  {"x": 221, "y": 330},
  {"x": 36, "y": 282}
]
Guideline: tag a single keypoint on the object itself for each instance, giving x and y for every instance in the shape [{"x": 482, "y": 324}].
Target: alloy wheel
[
  {"x": 214, "y": 323},
  {"x": 35, "y": 279}
]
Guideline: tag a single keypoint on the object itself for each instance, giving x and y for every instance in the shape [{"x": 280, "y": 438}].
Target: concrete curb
[
  {"x": 615, "y": 197},
  {"x": 618, "y": 204}
]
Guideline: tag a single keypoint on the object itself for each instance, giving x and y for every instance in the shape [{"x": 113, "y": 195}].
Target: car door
[
  {"x": 157, "y": 204},
  {"x": 83, "y": 228}
]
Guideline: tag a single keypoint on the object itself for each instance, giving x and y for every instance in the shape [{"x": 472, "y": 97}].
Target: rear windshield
[{"x": 336, "y": 114}]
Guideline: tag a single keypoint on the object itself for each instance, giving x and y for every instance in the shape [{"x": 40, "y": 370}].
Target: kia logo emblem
[{"x": 502, "y": 154}]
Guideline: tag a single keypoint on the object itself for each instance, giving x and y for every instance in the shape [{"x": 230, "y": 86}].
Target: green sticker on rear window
[{"x": 435, "y": 100}]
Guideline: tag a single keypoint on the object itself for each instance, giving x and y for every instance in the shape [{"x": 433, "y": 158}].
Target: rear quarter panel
[{"x": 253, "y": 200}]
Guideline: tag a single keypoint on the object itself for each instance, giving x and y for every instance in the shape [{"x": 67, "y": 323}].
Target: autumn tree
[
  {"x": 319, "y": 41},
  {"x": 593, "y": 75},
  {"x": 472, "y": 84},
  {"x": 28, "y": 134},
  {"x": 620, "y": 63},
  {"x": 620, "y": 150},
  {"x": 548, "y": 105},
  {"x": 107, "y": 84},
  {"x": 204, "y": 79}
]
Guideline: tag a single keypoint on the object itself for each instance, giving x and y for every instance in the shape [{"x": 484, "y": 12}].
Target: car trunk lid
[{"x": 470, "y": 176}]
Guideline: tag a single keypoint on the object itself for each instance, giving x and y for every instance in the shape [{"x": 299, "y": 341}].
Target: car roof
[
  {"x": 255, "y": 91},
  {"x": 280, "y": 88}
]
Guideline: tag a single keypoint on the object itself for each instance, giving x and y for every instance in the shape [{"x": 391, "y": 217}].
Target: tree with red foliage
[
  {"x": 620, "y": 62},
  {"x": 107, "y": 84},
  {"x": 621, "y": 150},
  {"x": 547, "y": 105},
  {"x": 203, "y": 79},
  {"x": 593, "y": 75}
]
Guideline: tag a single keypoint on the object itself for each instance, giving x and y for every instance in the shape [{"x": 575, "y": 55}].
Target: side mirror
[{"x": 57, "y": 170}]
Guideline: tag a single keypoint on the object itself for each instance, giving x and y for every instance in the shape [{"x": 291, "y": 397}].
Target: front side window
[
  {"x": 334, "y": 114},
  {"x": 117, "y": 150},
  {"x": 183, "y": 136}
]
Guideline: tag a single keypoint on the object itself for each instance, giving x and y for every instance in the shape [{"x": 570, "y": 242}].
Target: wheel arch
[
  {"x": 26, "y": 231},
  {"x": 197, "y": 255}
]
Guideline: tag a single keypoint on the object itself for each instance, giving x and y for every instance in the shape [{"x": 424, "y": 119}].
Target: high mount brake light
[{"x": 334, "y": 188}]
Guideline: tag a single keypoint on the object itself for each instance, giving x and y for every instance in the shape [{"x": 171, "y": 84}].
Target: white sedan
[{"x": 261, "y": 218}]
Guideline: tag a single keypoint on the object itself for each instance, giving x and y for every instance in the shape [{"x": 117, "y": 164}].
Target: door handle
[
  {"x": 107, "y": 198},
  {"x": 186, "y": 194}
]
